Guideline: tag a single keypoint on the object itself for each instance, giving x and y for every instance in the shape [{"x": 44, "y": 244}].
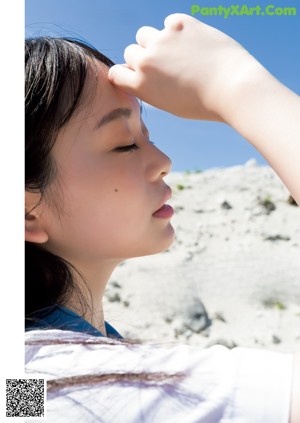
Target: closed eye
[{"x": 124, "y": 148}]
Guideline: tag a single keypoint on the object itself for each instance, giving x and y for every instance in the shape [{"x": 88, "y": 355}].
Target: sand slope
[{"x": 231, "y": 277}]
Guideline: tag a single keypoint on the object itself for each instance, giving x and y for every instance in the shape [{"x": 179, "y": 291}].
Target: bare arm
[
  {"x": 195, "y": 71},
  {"x": 268, "y": 114}
]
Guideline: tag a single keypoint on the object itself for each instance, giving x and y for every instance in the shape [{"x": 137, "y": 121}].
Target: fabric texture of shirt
[
  {"x": 218, "y": 385},
  {"x": 59, "y": 317}
]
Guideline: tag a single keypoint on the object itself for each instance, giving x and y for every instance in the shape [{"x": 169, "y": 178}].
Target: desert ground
[{"x": 232, "y": 276}]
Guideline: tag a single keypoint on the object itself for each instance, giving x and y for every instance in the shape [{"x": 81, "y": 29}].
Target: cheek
[
  {"x": 114, "y": 211},
  {"x": 107, "y": 207}
]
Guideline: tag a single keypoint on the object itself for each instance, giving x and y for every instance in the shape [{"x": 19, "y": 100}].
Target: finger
[
  {"x": 133, "y": 54},
  {"x": 122, "y": 76},
  {"x": 175, "y": 21},
  {"x": 146, "y": 34}
]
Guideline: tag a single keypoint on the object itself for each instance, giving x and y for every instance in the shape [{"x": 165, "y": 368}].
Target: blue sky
[{"x": 110, "y": 25}]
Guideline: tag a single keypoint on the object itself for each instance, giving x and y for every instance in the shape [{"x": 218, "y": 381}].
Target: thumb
[{"x": 122, "y": 76}]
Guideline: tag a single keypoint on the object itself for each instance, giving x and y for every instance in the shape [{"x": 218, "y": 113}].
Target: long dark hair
[{"x": 55, "y": 74}]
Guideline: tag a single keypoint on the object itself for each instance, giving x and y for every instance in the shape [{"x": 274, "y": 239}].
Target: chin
[
  {"x": 170, "y": 241},
  {"x": 156, "y": 245},
  {"x": 164, "y": 243}
]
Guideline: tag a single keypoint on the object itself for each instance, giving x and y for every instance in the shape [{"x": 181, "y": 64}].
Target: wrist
[{"x": 241, "y": 92}]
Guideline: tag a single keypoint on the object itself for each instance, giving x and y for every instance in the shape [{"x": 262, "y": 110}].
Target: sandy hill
[{"x": 233, "y": 274}]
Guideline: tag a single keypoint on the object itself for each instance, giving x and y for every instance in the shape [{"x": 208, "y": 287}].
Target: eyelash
[
  {"x": 131, "y": 147},
  {"x": 125, "y": 148}
]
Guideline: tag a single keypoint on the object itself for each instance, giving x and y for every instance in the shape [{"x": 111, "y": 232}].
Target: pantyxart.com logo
[{"x": 242, "y": 10}]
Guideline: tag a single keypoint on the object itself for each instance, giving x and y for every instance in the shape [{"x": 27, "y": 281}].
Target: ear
[{"x": 34, "y": 229}]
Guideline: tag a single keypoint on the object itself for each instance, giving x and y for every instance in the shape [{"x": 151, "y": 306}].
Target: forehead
[
  {"x": 99, "y": 100},
  {"x": 100, "y": 96}
]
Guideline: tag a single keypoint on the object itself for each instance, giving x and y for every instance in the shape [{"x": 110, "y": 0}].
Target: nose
[{"x": 159, "y": 165}]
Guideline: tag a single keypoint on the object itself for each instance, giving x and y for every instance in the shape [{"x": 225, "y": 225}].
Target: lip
[{"x": 165, "y": 211}]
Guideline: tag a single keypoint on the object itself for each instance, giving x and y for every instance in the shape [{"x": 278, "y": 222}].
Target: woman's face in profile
[{"x": 110, "y": 181}]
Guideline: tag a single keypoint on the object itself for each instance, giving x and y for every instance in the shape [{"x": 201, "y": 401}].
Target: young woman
[
  {"x": 95, "y": 193},
  {"x": 96, "y": 196}
]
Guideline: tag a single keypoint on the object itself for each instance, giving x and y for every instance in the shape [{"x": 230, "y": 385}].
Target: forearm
[
  {"x": 195, "y": 71},
  {"x": 267, "y": 114}
]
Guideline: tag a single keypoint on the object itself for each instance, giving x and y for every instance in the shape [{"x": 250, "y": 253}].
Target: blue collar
[{"x": 59, "y": 317}]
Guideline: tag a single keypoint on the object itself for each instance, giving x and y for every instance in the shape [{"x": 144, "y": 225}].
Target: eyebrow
[{"x": 113, "y": 115}]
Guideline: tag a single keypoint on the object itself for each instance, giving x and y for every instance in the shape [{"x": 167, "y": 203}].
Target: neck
[{"x": 86, "y": 298}]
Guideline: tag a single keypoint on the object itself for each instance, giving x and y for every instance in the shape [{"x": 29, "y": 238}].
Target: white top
[{"x": 220, "y": 385}]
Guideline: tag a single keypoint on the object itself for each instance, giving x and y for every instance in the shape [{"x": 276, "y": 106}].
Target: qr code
[{"x": 25, "y": 397}]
